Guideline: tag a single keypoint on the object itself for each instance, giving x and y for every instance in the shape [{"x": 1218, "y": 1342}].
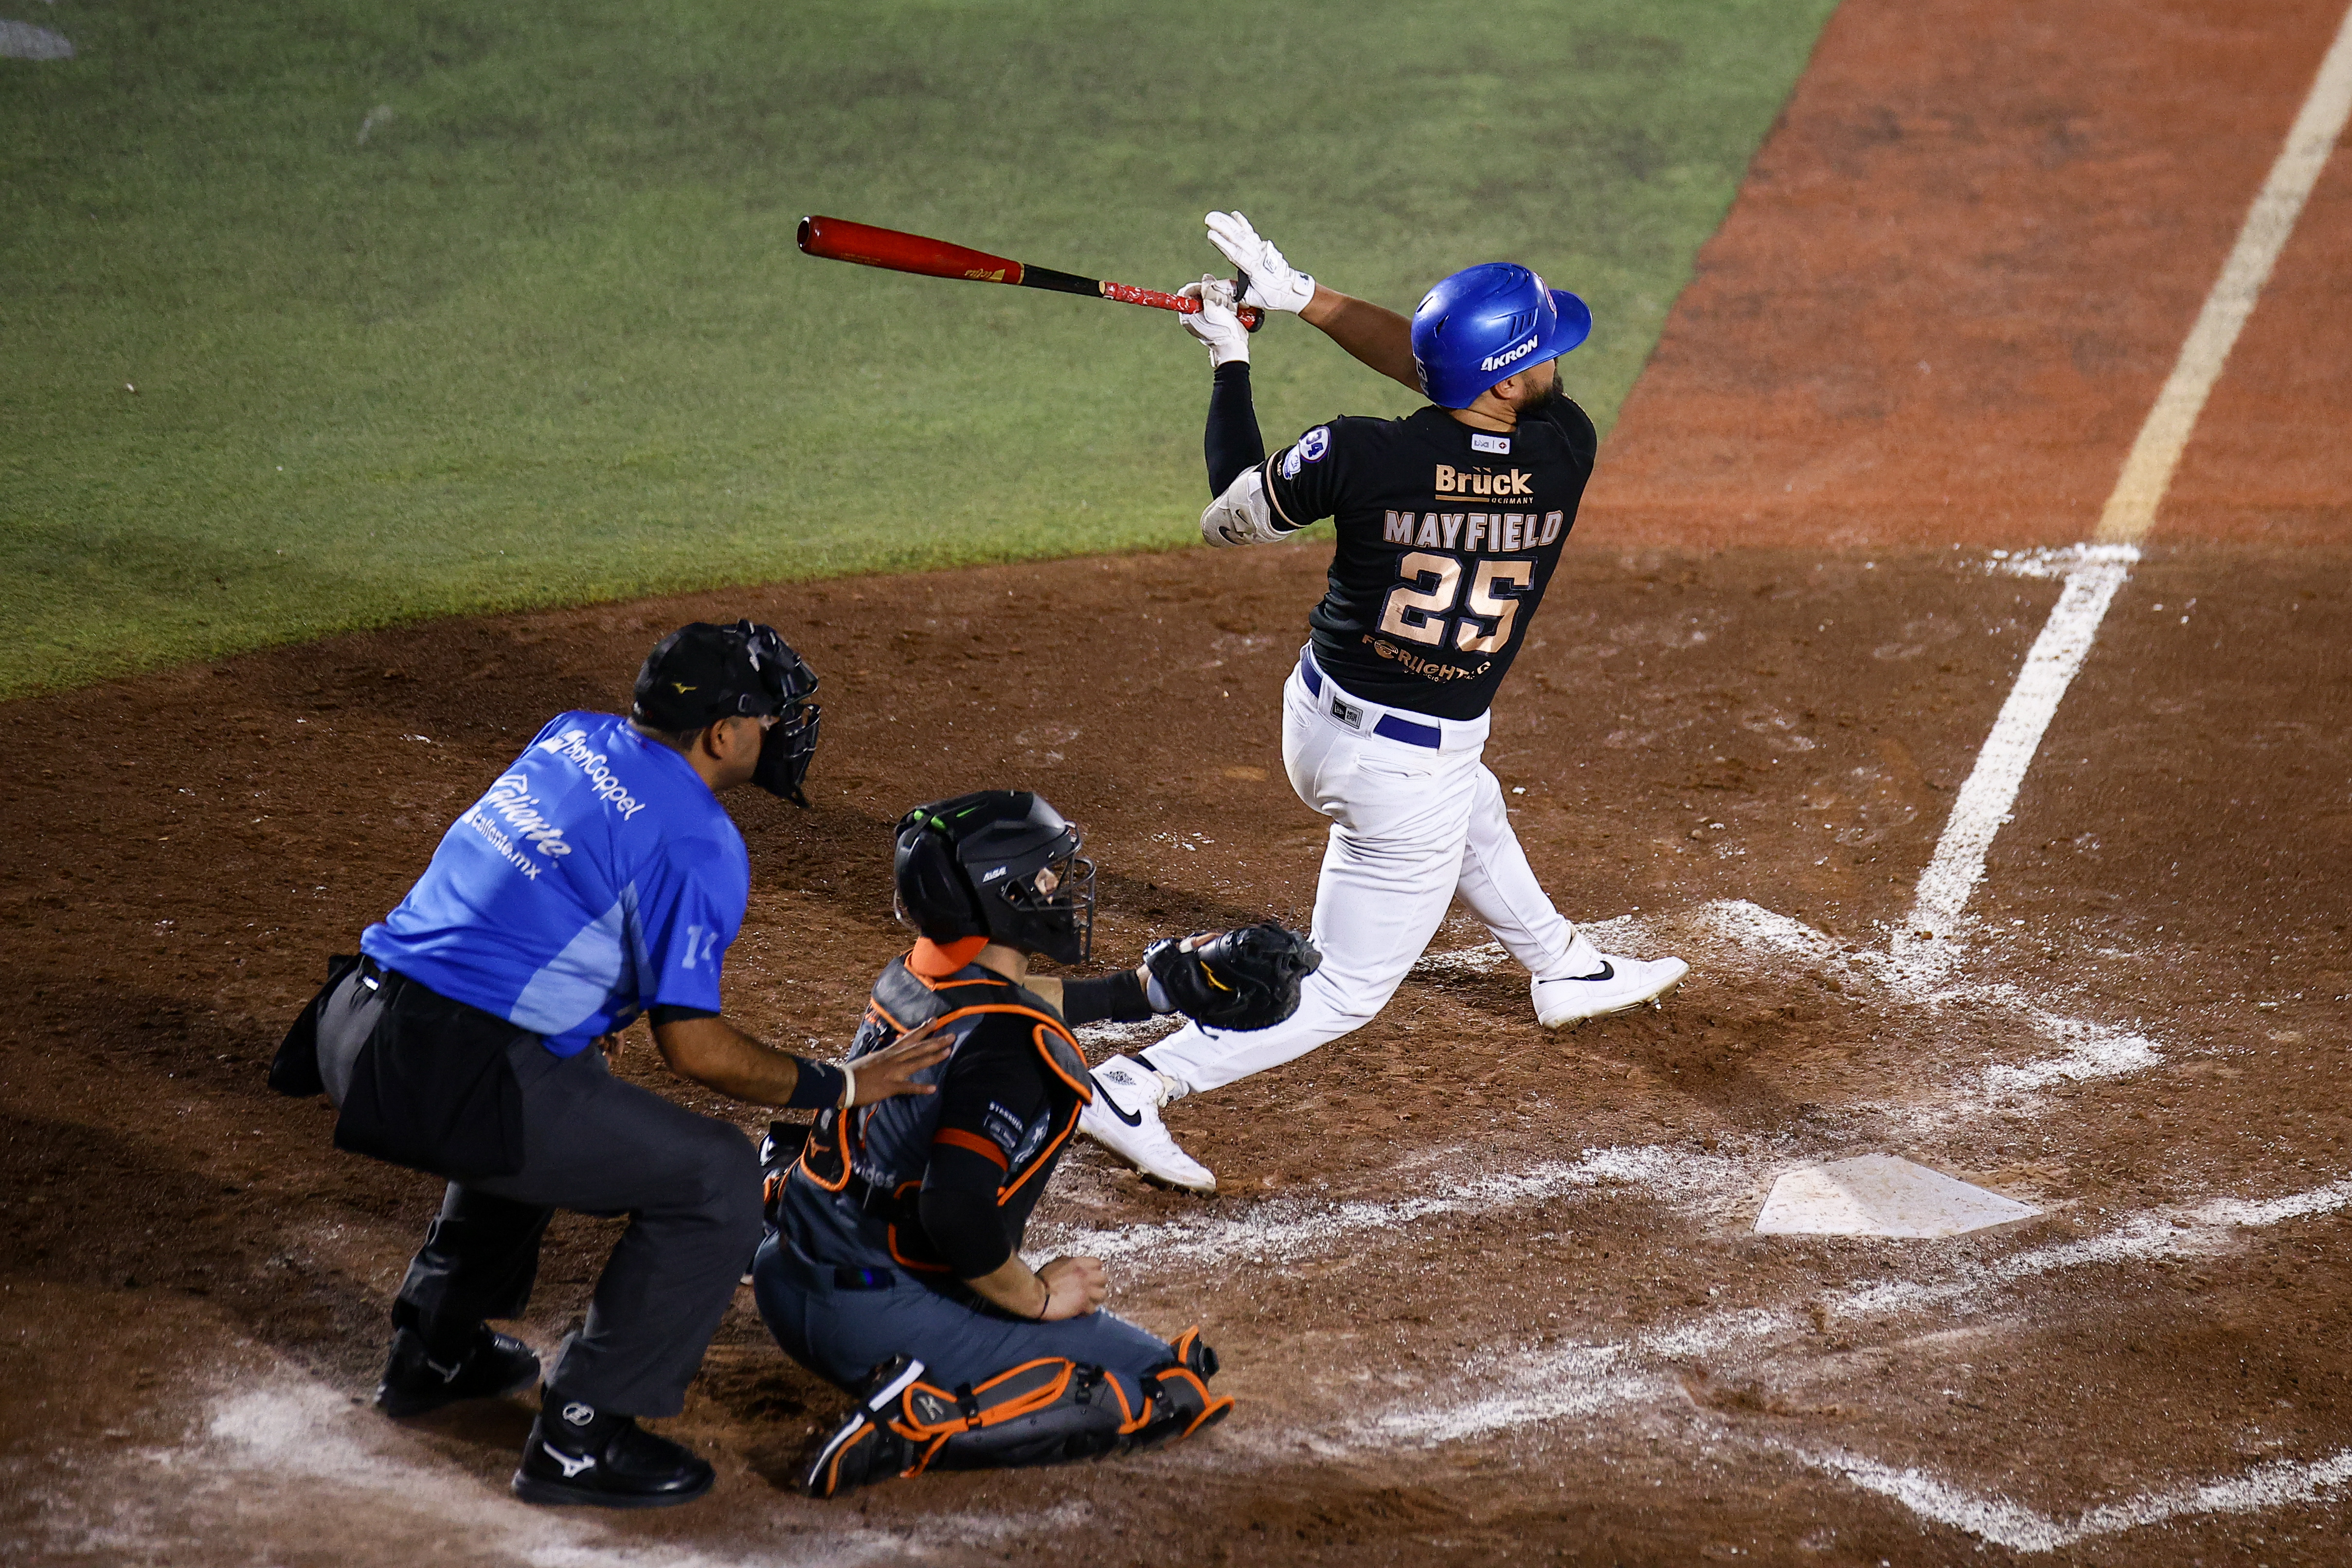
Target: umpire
[{"x": 597, "y": 880}]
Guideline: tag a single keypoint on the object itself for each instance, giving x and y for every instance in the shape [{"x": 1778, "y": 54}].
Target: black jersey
[{"x": 1448, "y": 537}]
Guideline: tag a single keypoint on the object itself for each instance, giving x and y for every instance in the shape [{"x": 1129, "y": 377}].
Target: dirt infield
[{"x": 1485, "y": 1293}]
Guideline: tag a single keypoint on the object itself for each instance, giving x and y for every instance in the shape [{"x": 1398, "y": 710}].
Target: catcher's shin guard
[{"x": 1044, "y": 1412}]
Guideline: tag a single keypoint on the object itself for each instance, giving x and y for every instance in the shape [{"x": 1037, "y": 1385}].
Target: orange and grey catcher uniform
[{"x": 889, "y": 1208}]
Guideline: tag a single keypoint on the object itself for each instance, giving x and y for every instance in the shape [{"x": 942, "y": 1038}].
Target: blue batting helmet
[{"x": 1488, "y": 321}]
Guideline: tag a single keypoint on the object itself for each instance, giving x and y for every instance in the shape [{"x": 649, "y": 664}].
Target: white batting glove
[
  {"x": 1273, "y": 283},
  {"x": 1215, "y": 324}
]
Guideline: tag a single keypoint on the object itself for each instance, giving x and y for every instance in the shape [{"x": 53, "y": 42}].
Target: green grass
[{"x": 541, "y": 335}]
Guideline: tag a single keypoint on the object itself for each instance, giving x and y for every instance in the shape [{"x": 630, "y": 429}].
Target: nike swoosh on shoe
[{"x": 1132, "y": 1118}]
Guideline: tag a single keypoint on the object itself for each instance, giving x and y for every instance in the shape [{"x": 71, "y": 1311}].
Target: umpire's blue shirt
[{"x": 598, "y": 878}]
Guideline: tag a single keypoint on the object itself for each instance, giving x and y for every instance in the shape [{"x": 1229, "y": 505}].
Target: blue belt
[{"x": 1390, "y": 725}]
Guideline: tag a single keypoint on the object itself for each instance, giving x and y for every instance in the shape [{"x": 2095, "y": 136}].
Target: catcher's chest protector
[{"x": 884, "y": 1149}]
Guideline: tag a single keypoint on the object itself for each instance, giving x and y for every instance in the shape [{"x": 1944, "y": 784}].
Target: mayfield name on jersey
[{"x": 1447, "y": 538}]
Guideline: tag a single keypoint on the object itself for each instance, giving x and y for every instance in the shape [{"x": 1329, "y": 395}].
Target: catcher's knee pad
[{"x": 1179, "y": 1403}]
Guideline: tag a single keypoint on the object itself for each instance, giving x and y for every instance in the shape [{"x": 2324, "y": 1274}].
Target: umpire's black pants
[{"x": 690, "y": 1185}]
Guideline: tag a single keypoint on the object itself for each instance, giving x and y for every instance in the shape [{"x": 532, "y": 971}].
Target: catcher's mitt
[{"x": 1246, "y": 979}]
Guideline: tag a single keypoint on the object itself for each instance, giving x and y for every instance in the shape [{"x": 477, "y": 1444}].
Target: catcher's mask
[
  {"x": 970, "y": 867},
  {"x": 702, "y": 673}
]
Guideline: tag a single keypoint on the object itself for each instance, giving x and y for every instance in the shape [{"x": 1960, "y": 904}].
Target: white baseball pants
[{"x": 1411, "y": 827}]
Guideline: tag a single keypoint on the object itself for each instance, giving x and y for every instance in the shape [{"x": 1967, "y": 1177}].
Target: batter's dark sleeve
[
  {"x": 1233, "y": 444},
  {"x": 993, "y": 1095}
]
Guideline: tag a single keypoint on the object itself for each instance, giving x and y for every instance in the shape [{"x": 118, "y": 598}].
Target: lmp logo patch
[{"x": 1498, "y": 445}]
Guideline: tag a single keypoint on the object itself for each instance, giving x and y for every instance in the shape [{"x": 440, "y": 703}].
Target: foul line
[
  {"x": 1992, "y": 788},
  {"x": 1984, "y": 801},
  {"x": 2147, "y": 472}
]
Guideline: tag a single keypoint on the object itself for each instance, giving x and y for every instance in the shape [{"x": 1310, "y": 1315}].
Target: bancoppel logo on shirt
[{"x": 572, "y": 746}]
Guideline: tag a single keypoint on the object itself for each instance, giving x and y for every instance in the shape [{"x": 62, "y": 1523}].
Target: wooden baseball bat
[{"x": 838, "y": 239}]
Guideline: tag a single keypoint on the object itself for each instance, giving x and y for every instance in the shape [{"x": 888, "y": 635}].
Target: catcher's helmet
[
  {"x": 702, "y": 673},
  {"x": 968, "y": 867},
  {"x": 1488, "y": 321}
]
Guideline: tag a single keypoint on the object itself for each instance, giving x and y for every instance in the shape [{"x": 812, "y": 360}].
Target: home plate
[{"x": 1878, "y": 1194}]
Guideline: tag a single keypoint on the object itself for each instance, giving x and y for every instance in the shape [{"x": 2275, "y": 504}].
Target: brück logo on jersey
[
  {"x": 1465, "y": 482},
  {"x": 572, "y": 746}
]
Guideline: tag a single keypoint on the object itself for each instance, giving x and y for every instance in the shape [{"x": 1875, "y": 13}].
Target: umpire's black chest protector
[
  {"x": 1447, "y": 538},
  {"x": 877, "y": 1155}
]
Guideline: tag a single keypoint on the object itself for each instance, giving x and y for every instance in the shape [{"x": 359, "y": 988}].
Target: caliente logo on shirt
[{"x": 511, "y": 801}]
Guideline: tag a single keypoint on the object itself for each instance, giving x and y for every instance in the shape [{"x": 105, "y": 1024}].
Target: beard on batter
[{"x": 1536, "y": 402}]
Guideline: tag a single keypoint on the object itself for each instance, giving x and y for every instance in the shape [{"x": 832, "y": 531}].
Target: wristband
[
  {"x": 848, "y": 1087},
  {"x": 819, "y": 1086},
  {"x": 1047, "y": 1305}
]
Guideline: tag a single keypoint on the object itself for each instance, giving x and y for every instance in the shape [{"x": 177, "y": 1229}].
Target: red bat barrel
[{"x": 838, "y": 239}]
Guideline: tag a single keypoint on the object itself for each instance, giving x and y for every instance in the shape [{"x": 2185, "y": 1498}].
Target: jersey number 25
[{"x": 1418, "y": 606}]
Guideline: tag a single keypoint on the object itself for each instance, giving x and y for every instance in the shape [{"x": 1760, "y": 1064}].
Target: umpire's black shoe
[
  {"x": 864, "y": 1449},
  {"x": 605, "y": 1461},
  {"x": 415, "y": 1384}
]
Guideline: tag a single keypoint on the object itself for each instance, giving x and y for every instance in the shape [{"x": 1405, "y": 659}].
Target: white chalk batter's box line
[
  {"x": 2178, "y": 1231},
  {"x": 302, "y": 1436},
  {"x": 1584, "y": 1381},
  {"x": 1291, "y": 1229},
  {"x": 1742, "y": 932},
  {"x": 1588, "y": 1379}
]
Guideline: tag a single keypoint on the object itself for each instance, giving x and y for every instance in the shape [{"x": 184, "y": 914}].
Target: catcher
[{"x": 892, "y": 1262}]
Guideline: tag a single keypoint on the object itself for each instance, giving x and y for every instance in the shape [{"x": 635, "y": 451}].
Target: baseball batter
[{"x": 1450, "y": 523}]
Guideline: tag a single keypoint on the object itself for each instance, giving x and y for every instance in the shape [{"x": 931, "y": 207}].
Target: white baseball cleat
[
  {"x": 1591, "y": 982},
  {"x": 1124, "y": 1118}
]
